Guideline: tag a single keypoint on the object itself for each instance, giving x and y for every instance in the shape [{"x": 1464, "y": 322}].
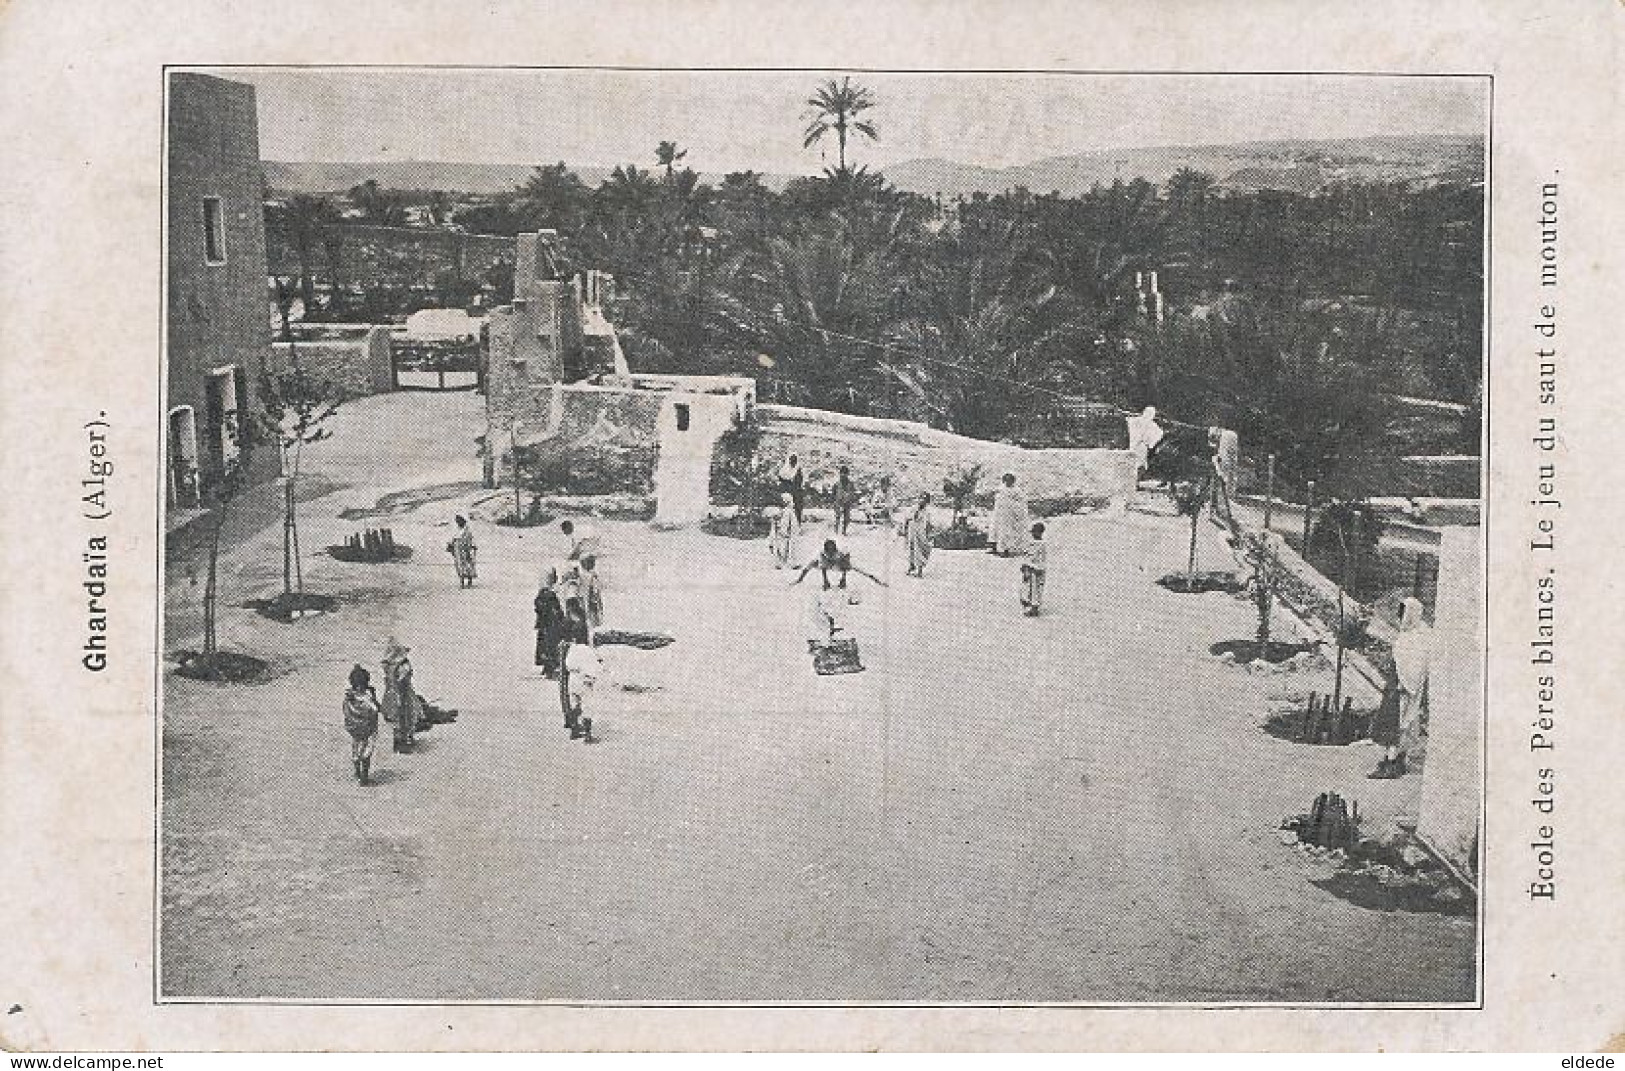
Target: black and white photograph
[{"x": 857, "y": 537}]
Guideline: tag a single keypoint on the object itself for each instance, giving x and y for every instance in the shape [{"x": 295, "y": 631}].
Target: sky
[{"x": 735, "y": 120}]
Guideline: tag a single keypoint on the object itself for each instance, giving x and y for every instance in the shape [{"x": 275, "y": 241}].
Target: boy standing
[
  {"x": 583, "y": 539},
  {"x": 361, "y": 711},
  {"x": 462, "y": 552},
  {"x": 1032, "y": 572},
  {"x": 782, "y": 537},
  {"x": 592, "y": 593},
  {"x": 583, "y": 667},
  {"x": 845, "y": 495}
]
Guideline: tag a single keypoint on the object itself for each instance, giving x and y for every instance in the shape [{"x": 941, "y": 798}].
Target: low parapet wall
[
  {"x": 1308, "y": 593},
  {"x": 918, "y": 458},
  {"x": 357, "y": 362}
]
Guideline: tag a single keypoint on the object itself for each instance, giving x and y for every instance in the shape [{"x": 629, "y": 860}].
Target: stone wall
[
  {"x": 1314, "y": 599},
  {"x": 357, "y": 366},
  {"x": 918, "y": 458},
  {"x": 584, "y": 440}
]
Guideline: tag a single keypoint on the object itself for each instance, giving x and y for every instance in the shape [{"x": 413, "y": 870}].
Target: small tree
[
  {"x": 285, "y": 294},
  {"x": 1350, "y": 527},
  {"x": 960, "y": 487},
  {"x": 1265, "y": 567},
  {"x": 1346, "y": 544},
  {"x": 1190, "y": 495},
  {"x": 294, "y": 406},
  {"x": 223, "y": 493},
  {"x": 739, "y": 470}
]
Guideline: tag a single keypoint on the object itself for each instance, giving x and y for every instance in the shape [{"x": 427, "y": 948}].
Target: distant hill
[
  {"x": 427, "y": 175},
  {"x": 294, "y": 177},
  {"x": 1299, "y": 166}
]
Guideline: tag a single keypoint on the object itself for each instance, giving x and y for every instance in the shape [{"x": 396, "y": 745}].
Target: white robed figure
[
  {"x": 1226, "y": 446},
  {"x": 1413, "y": 661},
  {"x": 1144, "y": 433},
  {"x": 1010, "y": 518}
]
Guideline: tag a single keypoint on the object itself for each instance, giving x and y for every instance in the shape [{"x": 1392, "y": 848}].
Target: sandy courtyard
[{"x": 1077, "y": 807}]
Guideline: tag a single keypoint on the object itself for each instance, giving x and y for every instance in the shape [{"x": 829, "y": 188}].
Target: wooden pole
[
  {"x": 1269, "y": 493},
  {"x": 513, "y": 448},
  {"x": 1308, "y": 512}
]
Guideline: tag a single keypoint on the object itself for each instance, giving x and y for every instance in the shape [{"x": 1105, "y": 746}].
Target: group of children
[
  {"x": 569, "y": 611},
  {"x": 1013, "y": 535},
  {"x": 401, "y": 707},
  {"x": 569, "y": 605}
]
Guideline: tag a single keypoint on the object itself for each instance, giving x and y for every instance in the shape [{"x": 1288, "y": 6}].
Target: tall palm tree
[
  {"x": 836, "y": 106},
  {"x": 308, "y": 217},
  {"x": 813, "y": 304},
  {"x": 554, "y": 196},
  {"x": 667, "y": 155},
  {"x": 627, "y": 187},
  {"x": 976, "y": 343}
]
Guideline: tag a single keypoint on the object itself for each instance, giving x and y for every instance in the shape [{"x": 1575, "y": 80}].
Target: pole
[
  {"x": 513, "y": 450},
  {"x": 1269, "y": 493},
  {"x": 1308, "y": 511}
]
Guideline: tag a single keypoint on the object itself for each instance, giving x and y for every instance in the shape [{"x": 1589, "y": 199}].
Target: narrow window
[
  {"x": 214, "y": 231},
  {"x": 682, "y": 416}
]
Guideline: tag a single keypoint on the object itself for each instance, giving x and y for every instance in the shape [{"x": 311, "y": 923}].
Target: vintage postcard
[{"x": 948, "y": 538}]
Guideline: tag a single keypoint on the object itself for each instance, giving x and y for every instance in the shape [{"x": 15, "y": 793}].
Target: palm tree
[
  {"x": 308, "y": 217},
  {"x": 378, "y": 205},
  {"x": 440, "y": 208},
  {"x": 627, "y": 187},
  {"x": 836, "y": 106},
  {"x": 554, "y": 196},
  {"x": 812, "y": 304},
  {"x": 743, "y": 184},
  {"x": 667, "y": 155}
]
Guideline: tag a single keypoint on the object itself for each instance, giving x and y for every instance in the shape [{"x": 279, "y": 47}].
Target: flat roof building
[{"x": 218, "y": 333}]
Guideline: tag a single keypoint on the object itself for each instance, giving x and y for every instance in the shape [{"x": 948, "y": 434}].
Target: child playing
[
  {"x": 845, "y": 497},
  {"x": 582, "y": 667},
  {"x": 361, "y": 711},
  {"x": 833, "y": 557},
  {"x": 592, "y": 593},
  {"x": 782, "y": 539},
  {"x": 1032, "y": 572}
]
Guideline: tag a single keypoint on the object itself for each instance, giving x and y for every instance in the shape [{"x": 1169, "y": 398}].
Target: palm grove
[{"x": 1291, "y": 317}]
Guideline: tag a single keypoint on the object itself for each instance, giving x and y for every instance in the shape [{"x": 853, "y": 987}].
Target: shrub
[
  {"x": 739, "y": 475},
  {"x": 1345, "y": 546},
  {"x": 960, "y": 535},
  {"x": 960, "y": 488},
  {"x": 1072, "y": 502}
]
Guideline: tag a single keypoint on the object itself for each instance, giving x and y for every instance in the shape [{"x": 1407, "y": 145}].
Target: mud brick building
[
  {"x": 218, "y": 330},
  {"x": 559, "y": 391}
]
